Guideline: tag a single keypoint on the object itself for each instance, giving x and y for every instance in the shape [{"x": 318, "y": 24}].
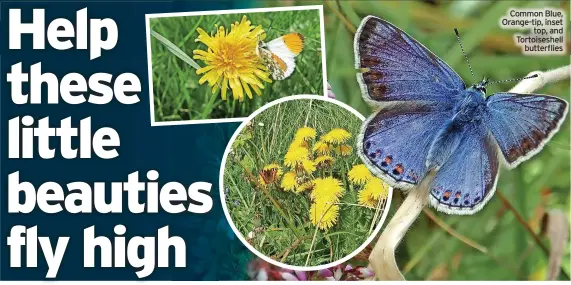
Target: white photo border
[{"x": 224, "y": 12}]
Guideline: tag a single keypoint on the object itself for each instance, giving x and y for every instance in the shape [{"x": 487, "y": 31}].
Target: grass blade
[{"x": 175, "y": 50}]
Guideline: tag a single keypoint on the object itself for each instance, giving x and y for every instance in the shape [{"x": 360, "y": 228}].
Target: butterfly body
[
  {"x": 471, "y": 107},
  {"x": 429, "y": 121}
]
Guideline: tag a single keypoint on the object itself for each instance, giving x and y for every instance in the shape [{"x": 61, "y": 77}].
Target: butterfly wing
[
  {"x": 467, "y": 161},
  {"x": 269, "y": 175},
  {"x": 523, "y": 123},
  {"x": 276, "y": 66},
  {"x": 288, "y": 45},
  {"x": 394, "y": 143},
  {"x": 398, "y": 68},
  {"x": 285, "y": 65},
  {"x": 283, "y": 52}
]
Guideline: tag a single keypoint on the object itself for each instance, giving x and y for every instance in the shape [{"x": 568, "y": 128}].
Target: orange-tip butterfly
[{"x": 279, "y": 54}]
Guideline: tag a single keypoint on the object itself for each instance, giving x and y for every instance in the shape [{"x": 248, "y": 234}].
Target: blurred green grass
[
  {"x": 535, "y": 187},
  {"x": 177, "y": 94},
  {"x": 266, "y": 141},
  {"x": 512, "y": 253}
]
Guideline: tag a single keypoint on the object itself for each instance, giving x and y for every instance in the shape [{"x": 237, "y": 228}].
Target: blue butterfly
[{"x": 430, "y": 121}]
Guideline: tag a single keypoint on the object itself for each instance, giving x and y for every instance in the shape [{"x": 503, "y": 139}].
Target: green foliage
[
  {"x": 177, "y": 94},
  {"x": 266, "y": 140},
  {"x": 536, "y": 186}
]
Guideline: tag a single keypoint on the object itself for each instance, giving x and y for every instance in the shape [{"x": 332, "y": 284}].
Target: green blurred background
[{"x": 492, "y": 244}]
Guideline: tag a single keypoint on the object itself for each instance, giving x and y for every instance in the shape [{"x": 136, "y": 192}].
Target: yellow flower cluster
[
  {"x": 334, "y": 141},
  {"x": 304, "y": 157},
  {"x": 374, "y": 189}
]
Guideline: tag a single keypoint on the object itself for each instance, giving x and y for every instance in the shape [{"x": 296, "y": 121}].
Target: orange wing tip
[{"x": 294, "y": 42}]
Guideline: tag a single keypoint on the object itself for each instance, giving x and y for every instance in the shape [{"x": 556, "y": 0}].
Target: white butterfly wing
[{"x": 284, "y": 50}]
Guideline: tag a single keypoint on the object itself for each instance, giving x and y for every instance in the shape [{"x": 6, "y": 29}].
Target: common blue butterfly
[{"x": 429, "y": 120}]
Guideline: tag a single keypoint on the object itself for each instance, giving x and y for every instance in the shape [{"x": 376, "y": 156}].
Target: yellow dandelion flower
[
  {"x": 231, "y": 60},
  {"x": 308, "y": 166},
  {"x": 323, "y": 215},
  {"x": 305, "y": 134},
  {"x": 295, "y": 155},
  {"x": 336, "y": 136},
  {"x": 289, "y": 181},
  {"x": 269, "y": 174},
  {"x": 359, "y": 174},
  {"x": 303, "y": 187},
  {"x": 377, "y": 188},
  {"x": 324, "y": 160},
  {"x": 321, "y": 148},
  {"x": 327, "y": 189},
  {"x": 366, "y": 198},
  {"x": 344, "y": 150},
  {"x": 298, "y": 143}
]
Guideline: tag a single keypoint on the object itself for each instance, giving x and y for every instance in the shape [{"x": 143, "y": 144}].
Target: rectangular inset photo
[{"x": 221, "y": 66}]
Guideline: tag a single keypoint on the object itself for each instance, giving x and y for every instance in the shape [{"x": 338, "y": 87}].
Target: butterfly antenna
[
  {"x": 463, "y": 52},
  {"x": 514, "y": 79}
]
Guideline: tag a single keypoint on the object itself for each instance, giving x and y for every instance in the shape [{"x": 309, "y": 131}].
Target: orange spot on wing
[
  {"x": 280, "y": 62},
  {"x": 398, "y": 169},
  {"x": 294, "y": 42}
]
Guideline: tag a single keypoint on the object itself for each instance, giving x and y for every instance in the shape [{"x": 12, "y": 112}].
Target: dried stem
[
  {"x": 454, "y": 233},
  {"x": 308, "y": 113},
  {"x": 543, "y": 78},
  {"x": 523, "y": 222},
  {"x": 382, "y": 257},
  {"x": 288, "y": 250},
  {"x": 346, "y": 22}
]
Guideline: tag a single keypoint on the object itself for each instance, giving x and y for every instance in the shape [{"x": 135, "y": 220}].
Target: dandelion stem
[
  {"x": 357, "y": 205},
  {"x": 376, "y": 216},
  {"x": 312, "y": 243},
  {"x": 315, "y": 234}
]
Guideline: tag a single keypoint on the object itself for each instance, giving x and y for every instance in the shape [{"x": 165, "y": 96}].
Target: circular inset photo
[{"x": 294, "y": 189}]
